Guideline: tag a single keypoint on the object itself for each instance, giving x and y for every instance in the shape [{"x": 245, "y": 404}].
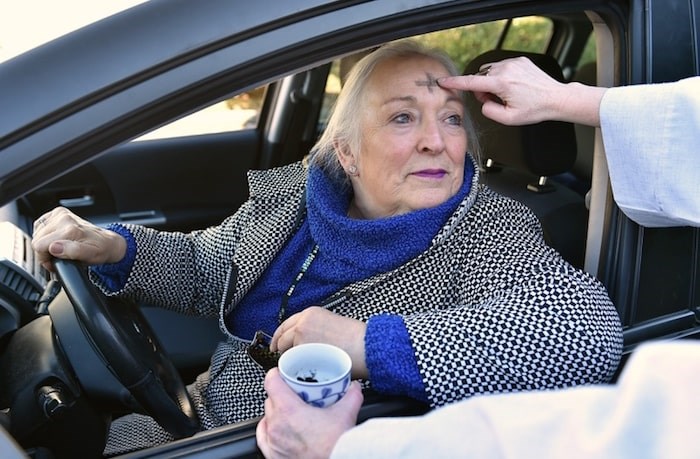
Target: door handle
[{"x": 84, "y": 201}]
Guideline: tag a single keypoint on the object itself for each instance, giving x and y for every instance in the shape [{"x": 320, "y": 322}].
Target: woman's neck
[{"x": 354, "y": 212}]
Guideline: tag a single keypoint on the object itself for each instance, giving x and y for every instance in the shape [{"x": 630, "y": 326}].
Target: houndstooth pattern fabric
[{"x": 489, "y": 307}]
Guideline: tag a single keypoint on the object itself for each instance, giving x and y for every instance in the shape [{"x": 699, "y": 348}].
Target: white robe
[
  {"x": 652, "y": 412},
  {"x": 651, "y": 135}
]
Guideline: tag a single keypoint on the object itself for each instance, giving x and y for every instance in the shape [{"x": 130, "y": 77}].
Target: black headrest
[{"x": 544, "y": 149}]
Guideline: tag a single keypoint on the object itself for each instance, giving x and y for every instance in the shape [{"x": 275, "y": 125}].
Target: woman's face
[{"x": 413, "y": 142}]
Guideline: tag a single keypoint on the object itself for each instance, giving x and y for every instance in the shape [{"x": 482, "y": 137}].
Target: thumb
[
  {"x": 74, "y": 250},
  {"x": 351, "y": 402},
  {"x": 499, "y": 112},
  {"x": 57, "y": 248},
  {"x": 279, "y": 392}
]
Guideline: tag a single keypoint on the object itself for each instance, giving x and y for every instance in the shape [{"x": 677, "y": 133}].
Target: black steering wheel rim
[{"x": 130, "y": 349}]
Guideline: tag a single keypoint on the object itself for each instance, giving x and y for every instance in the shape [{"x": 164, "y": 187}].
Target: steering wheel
[{"x": 130, "y": 349}]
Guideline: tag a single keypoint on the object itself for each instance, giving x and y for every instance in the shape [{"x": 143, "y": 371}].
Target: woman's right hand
[{"x": 62, "y": 234}]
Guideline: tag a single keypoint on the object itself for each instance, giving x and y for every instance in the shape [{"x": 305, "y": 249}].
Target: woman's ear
[{"x": 345, "y": 156}]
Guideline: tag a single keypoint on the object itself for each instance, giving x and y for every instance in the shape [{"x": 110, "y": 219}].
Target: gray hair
[{"x": 344, "y": 123}]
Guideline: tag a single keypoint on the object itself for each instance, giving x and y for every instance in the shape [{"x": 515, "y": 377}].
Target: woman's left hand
[{"x": 318, "y": 325}]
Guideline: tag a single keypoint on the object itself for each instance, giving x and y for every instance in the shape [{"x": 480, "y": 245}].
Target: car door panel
[{"x": 182, "y": 183}]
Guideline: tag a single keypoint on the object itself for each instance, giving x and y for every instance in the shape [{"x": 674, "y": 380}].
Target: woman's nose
[{"x": 431, "y": 139}]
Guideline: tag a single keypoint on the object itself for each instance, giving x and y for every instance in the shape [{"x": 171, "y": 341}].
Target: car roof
[{"x": 139, "y": 41}]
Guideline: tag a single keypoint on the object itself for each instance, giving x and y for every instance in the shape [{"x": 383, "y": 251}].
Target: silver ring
[{"x": 485, "y": 71}]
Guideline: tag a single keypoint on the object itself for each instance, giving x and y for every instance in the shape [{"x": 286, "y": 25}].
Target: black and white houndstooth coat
[{"x": 489, "y": 307}]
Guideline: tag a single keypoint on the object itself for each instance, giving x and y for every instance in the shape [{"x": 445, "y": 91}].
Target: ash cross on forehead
[{"x": 430, "y": 82}]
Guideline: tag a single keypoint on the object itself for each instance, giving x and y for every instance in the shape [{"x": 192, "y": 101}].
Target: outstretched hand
[{"x": 515, "y": 92}]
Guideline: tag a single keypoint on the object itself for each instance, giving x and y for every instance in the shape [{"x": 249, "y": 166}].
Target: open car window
[
  {"x": 462, "y": 44},
  {"x": 234, "y": 114}
]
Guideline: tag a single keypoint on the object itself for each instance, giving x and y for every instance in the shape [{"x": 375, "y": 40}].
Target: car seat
[
  {"x": 585, "y": 135},
  {"x": 519, "y": 162}
]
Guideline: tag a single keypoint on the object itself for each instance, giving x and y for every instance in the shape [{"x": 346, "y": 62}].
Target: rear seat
[{"x": 519, "y": 162}]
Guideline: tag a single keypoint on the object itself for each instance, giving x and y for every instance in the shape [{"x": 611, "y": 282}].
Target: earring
[{"x": 352, "y": 170}]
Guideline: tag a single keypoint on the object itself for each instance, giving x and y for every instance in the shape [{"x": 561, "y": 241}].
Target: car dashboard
[{"x": 23, "y": 281}]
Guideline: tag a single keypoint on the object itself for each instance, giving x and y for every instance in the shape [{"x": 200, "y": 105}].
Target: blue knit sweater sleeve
[
  {"x": 114, "y": 275},
  {"x": 389, "y": 356}
]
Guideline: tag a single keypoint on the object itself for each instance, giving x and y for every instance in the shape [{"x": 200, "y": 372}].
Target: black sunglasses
[{"x": 259, "y": 351}]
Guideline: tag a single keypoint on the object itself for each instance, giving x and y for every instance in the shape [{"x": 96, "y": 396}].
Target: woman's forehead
[
  {"x": 421, "y": 70},
  {"x": 399, "y": 77}
]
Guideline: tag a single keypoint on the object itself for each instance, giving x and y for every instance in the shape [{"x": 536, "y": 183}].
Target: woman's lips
[{"x": 431, "y": 173}]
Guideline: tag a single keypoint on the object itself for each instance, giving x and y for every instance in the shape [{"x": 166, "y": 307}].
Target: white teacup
[{"x": 319, "y": 373}]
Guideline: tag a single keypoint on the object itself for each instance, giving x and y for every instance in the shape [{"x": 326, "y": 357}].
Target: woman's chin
[
  {"x": 432, "y": 198},
  {"x": 429, "y": 200}
]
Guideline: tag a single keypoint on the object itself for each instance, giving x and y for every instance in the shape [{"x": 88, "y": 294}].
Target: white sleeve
[
  {"x": 651, "y": 412},
  {"x": 652, "y": 144}
]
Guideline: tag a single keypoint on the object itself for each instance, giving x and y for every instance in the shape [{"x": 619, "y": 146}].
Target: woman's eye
[
  {"x": 454, "y": 120},
  {"x": 402, "y": 118}
]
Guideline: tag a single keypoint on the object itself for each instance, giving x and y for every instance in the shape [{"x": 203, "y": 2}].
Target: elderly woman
[{"x": 385, "y": 245}]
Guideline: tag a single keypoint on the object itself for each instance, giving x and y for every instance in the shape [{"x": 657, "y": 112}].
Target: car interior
[{"x": 182, "y": 182}]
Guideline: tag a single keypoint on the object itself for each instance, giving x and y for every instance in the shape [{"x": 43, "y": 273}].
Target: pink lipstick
[{"x": 431, "y": 173}]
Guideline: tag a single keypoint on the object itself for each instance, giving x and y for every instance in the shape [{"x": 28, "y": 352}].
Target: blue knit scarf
[{"x": 349, "y": 250}]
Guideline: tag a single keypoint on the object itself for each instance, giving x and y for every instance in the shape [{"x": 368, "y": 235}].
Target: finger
[
  {"x": 354, "y": 396},
  {"x": 283, "y": 337},
  {"x": 262, "y": 439},
  {"x": 274, "y": 384},
  {"x": 40, "y": 222},
  {"x": 285, "y": 341},
  {"x": 276, "y": 337},
  {"x": 484, "y": 70},
  {"x": 41, "y": 249},
  {"x": 74, "y": 250},
  {"x": 499, "y": 112},
  {"x": 280, "y": 397},
  {"x": 271, "y": 378},
  {"x": 349, "y": 406},
  {"x": 48, "y": 266},
  {"x": 473, "y": 83},
  {"x": 49, "y": 220},
  {"x": 55, "y": 249},
  {"x": 483, "y": 97},
  {"x": 488, "y": 65}
]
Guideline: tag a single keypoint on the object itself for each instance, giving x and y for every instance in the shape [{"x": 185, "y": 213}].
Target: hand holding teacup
[{"x": 314, "y": 431}]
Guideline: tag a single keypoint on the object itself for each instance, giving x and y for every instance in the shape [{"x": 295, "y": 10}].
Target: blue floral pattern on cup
[{"x": 328, "y": 396}]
